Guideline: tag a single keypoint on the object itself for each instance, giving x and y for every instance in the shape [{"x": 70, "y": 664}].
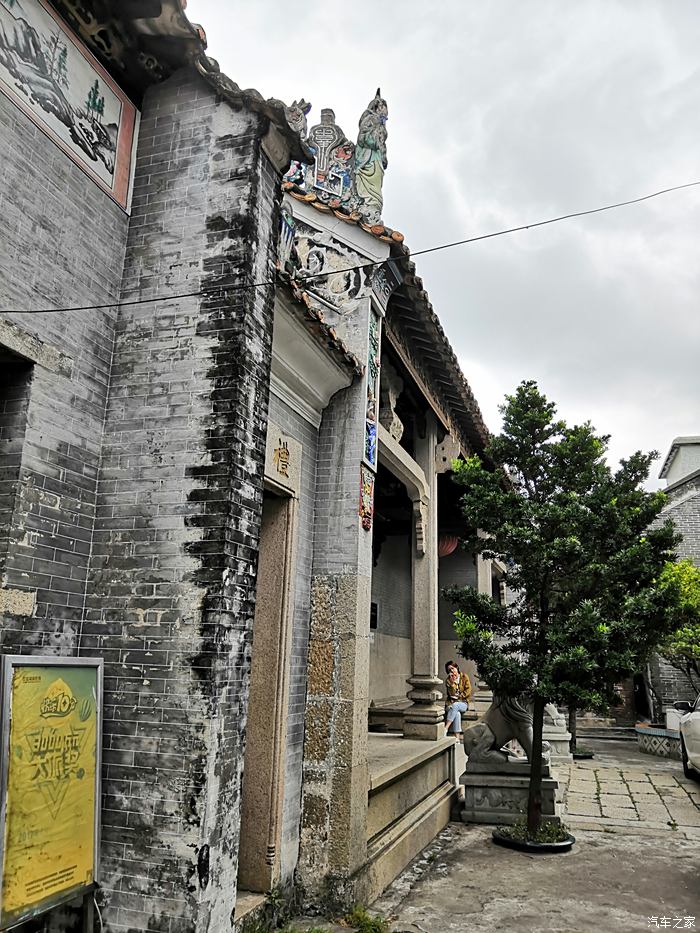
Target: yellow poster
[{"x": 49, "y": 839}]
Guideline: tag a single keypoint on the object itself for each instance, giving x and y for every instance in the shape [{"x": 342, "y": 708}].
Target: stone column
[
  {"x": 333, "y": 833},
  {"x": 424, "y": 718}
]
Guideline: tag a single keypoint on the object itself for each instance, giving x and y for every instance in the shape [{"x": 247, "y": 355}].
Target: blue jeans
[{"x": 453, "y": 717}]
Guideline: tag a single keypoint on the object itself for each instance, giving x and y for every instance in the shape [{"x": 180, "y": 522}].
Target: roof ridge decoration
[{"x": 344, "y": 175}]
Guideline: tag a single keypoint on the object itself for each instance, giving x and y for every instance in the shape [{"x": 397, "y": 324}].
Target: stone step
[{"x": 609, "y": 733}]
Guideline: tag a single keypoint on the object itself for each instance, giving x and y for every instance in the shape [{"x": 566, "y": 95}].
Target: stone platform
[
  {"x": 501, "y": 799},
  {"x": 559, "y": 743}
]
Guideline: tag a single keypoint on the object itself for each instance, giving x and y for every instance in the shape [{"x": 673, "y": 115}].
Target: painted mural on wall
[
  {"x": 56, "y": 81},
  {"x": 319, "y": 256}
]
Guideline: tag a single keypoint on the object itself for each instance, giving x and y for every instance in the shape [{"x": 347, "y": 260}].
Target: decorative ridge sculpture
[{"x": 344, "y": 174}]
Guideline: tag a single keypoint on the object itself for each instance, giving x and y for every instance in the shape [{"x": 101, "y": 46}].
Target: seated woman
[{"x": 458, "y": 691}]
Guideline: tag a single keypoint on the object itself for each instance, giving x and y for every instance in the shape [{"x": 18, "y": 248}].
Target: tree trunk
[
  {"x": 534, "y": 798},
  {"x": 572, "y": 728},
  {"x": 654, "y": 696}
]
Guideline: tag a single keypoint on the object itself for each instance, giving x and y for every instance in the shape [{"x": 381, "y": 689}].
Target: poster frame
[{"x": 10, "y": 662}]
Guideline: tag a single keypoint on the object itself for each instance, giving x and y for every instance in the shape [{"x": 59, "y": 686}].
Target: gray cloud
[{"x": 507, "y": 112}]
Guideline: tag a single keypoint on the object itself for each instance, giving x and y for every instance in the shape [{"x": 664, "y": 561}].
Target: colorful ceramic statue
[{"x": 370, "y": 158}]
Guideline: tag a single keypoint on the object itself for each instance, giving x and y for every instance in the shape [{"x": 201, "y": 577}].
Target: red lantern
[{"x": 447, "y": 544}]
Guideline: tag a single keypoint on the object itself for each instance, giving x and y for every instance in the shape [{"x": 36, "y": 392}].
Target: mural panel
[{"x": 53, "y": 78}]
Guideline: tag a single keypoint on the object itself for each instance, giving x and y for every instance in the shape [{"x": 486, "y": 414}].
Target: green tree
[
  {"x": 92, "y": 104},
  {"x": 574, "y": 538},
  {"x": 62, "y": 67},
  {"x": 682, "y": 647}
]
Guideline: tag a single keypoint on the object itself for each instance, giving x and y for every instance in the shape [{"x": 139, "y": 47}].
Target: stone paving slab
[
  {"x": 662, "y": 779},
  {"x": 638, "y": 789},
  {"x": 609, "y": 787},
  {"x": 618, "y": 813},
  {"x": 583, "y": 806},
  {"x": 614, "y": 791},
  {"x": 610, "y": 881},
  {"x": 617, "y": 801}
]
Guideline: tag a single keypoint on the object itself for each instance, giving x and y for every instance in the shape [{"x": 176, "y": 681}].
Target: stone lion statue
[{"x": 506, "y": 719}]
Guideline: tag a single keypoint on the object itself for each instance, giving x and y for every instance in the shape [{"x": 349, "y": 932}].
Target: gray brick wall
[
  {"x": 15, "y": 385},
  {"x": 171, "y": 598},
  {"x": 61, "y": 243},
  {"x": 683, "y": 508}
]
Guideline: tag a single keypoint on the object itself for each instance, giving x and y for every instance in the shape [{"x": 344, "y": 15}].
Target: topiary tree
[{"x": 573, "y": 536}]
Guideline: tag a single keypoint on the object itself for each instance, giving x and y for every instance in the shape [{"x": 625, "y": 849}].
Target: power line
[{"x": 207, "y": 292}]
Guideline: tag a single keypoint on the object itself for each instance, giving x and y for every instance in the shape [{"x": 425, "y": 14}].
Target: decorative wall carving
[
  {"x": 385, "y": 280},
  {"x": 391, "y": 386},
  {"x": 445, "y": 453},
  {"x": 318, "y": 253},
  {"x": 373, "y": 362},
  {"x": 420, "y": 515},
  {"x": 366, "y": 497}
]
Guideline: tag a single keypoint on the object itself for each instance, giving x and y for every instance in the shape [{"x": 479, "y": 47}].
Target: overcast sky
[{"x": 512, "y": 111}]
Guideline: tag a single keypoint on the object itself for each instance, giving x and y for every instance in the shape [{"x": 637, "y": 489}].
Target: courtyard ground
[{"x": 635, "y": 865}]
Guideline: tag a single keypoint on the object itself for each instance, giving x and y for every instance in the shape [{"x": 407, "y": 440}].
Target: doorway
[{"x": 263, "y": 767}]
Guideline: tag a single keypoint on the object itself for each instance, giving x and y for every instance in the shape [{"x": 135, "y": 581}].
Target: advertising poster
[{"x": 50, "y": 783}]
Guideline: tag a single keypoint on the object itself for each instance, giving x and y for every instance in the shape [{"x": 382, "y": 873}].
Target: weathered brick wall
[
  {"x": 15, "y": 385},
  {"x": 171, "y": 598},
  {"x": 670, "y": 684},
  {"x": 61, "y": 243},
  {"x": 296, "y": 426},
  {"x": 683, "y": 508}
]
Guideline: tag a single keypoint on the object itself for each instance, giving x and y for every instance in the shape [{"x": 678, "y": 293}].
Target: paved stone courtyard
[
  {"x": 624, "y": 789},
  {"x": 636, "y": 861}
]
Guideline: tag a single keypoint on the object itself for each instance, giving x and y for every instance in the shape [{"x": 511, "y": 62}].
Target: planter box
[{"x": 666, "y": 743}]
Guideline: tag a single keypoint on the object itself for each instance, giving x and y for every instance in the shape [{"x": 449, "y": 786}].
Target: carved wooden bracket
[
  {"x": 445, "y": 453},
  {"x": 420, "y": 514}
]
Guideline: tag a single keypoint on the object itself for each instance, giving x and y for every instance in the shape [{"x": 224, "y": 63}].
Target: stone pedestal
[
  {"x": 501, "y": 799},
  {"x": 555, "y": 731},
  {"x": 559, "y": 744},
  {"x": 424, "y": 719}
]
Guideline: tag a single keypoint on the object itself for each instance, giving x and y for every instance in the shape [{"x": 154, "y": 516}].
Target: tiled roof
[
  {"x": 313, "y": 320},
  {"x": 422, "y": 326},
  {"x": 419, "y": 320},
  {"x": 377, "y": 230}
]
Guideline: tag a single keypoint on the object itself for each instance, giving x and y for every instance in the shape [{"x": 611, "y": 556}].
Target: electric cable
[{"x": 308, "y": 277}]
